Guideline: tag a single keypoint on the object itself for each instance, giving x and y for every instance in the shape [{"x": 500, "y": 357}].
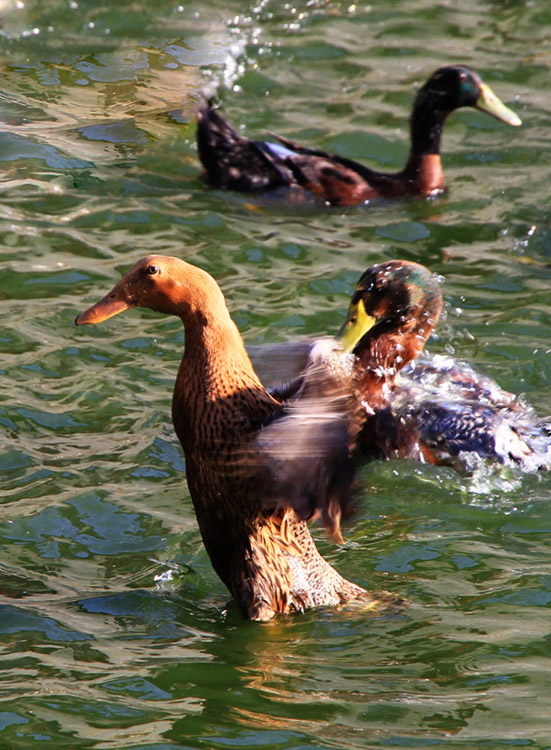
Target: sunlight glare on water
[{"x": 115, "y": 631}]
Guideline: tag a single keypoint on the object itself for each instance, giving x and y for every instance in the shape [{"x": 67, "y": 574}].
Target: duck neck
[
  {"x": 216, "y": 381},
  {"x": 423, "y": 169},
  {"x": 215, "y": 366},
  {"x": 390, "y": 351},
  {"x": 381, "y": 361},
  {"x": 426, "y": 125},
  {"x": 214, "y": 350},
  {"x": 374, "y": 385}
]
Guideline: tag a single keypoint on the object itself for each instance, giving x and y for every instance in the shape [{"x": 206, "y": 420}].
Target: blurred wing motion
[
  {"x": 280, "y": 364},
  {"x": 307, "y": 446}
]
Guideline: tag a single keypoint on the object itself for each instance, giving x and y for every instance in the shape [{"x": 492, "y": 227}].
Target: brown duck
[
  {"x": 236, "y": 163},
  {"x": 257, "y": 469}
]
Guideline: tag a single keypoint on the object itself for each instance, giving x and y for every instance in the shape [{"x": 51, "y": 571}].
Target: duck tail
[{"x": 234, "y": 162}]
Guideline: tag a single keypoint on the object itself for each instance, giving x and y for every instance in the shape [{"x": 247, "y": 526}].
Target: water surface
[{"x": 114, "y": 630}]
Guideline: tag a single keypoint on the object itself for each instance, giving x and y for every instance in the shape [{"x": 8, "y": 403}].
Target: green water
[{"x": 115, "y": 633}]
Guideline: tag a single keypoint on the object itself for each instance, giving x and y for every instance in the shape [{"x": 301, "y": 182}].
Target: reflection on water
[{"x": 99, "y": 168}]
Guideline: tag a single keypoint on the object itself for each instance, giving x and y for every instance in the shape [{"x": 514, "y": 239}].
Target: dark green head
[
  {"x": 455, "y": 86},
  {"x": 398, "y": 302}
]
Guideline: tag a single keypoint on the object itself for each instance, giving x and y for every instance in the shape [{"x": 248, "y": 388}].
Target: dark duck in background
[{"x": 234, "y": 162}]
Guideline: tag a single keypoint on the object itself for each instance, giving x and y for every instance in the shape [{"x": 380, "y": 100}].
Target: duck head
[
  {"x": 393, "y": 311},
  {"x": 163, "y": 283},
  {"x": 455, "y": 86}
]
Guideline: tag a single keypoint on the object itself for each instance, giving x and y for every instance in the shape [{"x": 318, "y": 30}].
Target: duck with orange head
[{"x": 257, "y": 468}]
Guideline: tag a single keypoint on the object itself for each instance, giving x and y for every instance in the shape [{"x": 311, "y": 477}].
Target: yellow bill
[
  {"x": 490, "y": 103},
  {"x": 356, "y": 325}
]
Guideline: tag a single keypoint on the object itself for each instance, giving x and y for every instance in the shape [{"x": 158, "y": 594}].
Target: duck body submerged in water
[
  {"x": 257, "y": 469},
  {"x": 234, "y": 162},
  {"x": 436, "y": 410}
]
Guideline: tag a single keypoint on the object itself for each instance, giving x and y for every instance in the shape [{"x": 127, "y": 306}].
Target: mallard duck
[
  {"x": 257, "y": 468},
  {"x": 236, "y": 163},
  {"x": 436, "y": 410}
]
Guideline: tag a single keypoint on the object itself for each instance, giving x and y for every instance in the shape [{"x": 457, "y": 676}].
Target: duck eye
[{"x": 152, "y": 270}]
